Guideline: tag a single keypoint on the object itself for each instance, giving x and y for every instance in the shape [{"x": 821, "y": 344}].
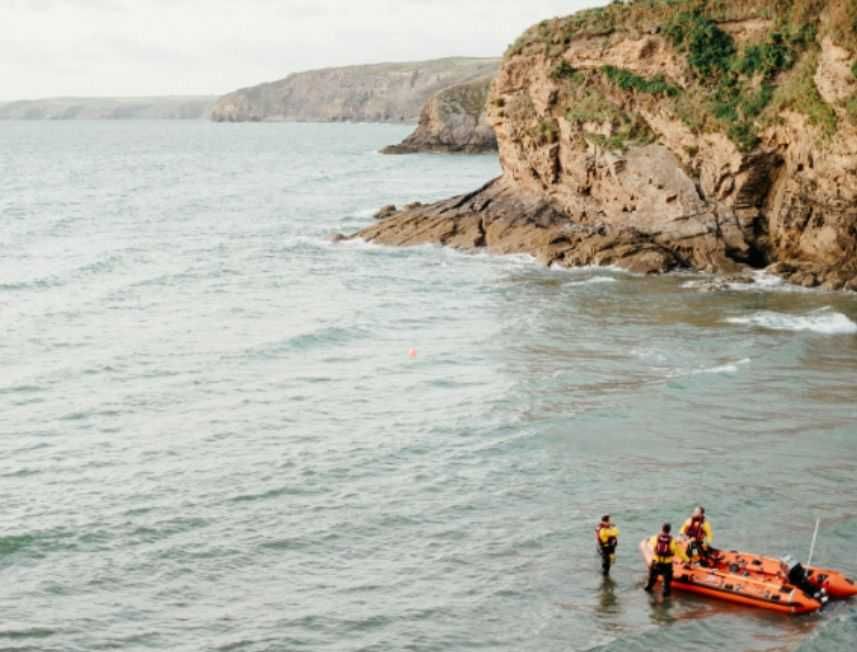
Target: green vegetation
[
  {"x": 851, "y": 109},
  {"x": 736, "y": 87},
  {"x": 564, "y": 70},
  {"x": 854, "y": 69},
  {"x": 630, "y": 131},
  {"x": 628, "y": 81},
  {"x": 800, "y": 94},
  {"x": 546, "y": 131},
  {"x": 740, "y": 85},
  {"x": 709, "y": 49},
  {"x": 591, "y": 106}
]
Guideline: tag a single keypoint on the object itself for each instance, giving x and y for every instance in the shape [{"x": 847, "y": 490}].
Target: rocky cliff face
[
  {"x": 453, "y": 120},
  {"x": 193, "y": 107},
  {"x": 388, "y": 92},
  {"x": 663, "y": 134}
]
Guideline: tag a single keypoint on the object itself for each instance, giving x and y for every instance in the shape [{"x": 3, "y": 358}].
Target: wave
[
  {"x": 729, "y": 368},
  {"x": 823, "y": 321},
  {"x": 595, "y": 280},
  {"x": 761, "y": 281}
]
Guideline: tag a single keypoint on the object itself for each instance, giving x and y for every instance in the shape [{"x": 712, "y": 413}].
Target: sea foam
[{"x": 824, "y": 321}]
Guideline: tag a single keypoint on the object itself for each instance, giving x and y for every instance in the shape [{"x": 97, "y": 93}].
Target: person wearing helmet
[
  {"x": 665, "y": 550},
  {"x": 698, "y": 531},
  {"x": 607, "y": 538}
]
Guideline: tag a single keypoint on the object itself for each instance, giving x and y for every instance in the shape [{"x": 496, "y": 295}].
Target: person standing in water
[
  {"x": 698, "y": 530},
  {"x": 607, "y": 537},
  {"x": 666, "y": 549}
]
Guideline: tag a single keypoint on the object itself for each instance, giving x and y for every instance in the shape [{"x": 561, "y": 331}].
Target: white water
[{"x": 824, "y": 322}]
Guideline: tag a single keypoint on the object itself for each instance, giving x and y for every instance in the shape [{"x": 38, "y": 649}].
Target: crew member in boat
[
  {"x": 607, "y": 537},
  {"x": 795, "y": 574},
  {"x": 666, "y": 549},
  {"x": 698, "y": 531}
]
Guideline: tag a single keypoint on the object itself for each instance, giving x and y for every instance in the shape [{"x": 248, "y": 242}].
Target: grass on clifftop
[
  {"x": 737, "y": 87},
  {"x": 740, "y": 84}
]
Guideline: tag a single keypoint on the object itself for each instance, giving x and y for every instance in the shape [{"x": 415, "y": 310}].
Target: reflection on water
[{"x": 608, "y": 602}]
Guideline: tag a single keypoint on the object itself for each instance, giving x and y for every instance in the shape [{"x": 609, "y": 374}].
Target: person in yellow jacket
[
  {"x": 665, "y": 549},
  {"x": 698, "y": 531},
  {"x": 607, "y": 538}
]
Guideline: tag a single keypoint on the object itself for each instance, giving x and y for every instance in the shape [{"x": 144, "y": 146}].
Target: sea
[{"x": 221, "y": 430}]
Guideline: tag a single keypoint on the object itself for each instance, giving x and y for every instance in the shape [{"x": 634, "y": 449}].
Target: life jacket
[
  {"x": 663, "y": 546},
  {"x": 695, "y": 529},
  {"x": 611, "y": 542}
]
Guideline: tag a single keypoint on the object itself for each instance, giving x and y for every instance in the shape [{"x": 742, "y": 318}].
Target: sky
[{"x": 51, "y": 48}]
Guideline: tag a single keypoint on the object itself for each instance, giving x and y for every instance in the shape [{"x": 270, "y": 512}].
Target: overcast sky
[{"x": 158, "y": 47}]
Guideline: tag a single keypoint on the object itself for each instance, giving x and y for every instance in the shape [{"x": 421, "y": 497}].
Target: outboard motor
[{"x": 796, "y": 575}]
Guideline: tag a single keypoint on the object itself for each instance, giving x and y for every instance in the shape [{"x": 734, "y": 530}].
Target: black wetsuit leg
[
  {"x": 607, "y": 553},
  {"x": 667, "y": 572},
  {"x": 660, "y": 570}
]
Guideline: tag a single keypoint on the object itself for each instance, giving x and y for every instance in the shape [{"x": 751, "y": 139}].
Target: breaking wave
[{"x": 824, "y": 321}]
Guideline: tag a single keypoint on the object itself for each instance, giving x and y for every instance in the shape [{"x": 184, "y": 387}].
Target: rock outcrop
[
  {"x": 656, "y": 135},
  {"x": 453, "y": 120},
  {"x": 193, "y": 107},
  {"x": 387, "y": 92}
]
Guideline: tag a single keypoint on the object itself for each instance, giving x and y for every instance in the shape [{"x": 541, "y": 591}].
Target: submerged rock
[{"x": 625, "y": 140}]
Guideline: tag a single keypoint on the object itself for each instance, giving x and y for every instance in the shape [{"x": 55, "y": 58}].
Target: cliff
[
  {"x": 453, "y": 120},
  {"x": 192, "y": 107},
  {"x": 387, "y": 92},
  {"x": 663, "y": 134}
]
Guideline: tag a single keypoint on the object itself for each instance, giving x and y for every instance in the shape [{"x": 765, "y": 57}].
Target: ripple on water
[{"x": 233, "y": 449}]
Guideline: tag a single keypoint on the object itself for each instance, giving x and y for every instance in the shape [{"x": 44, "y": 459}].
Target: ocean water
[{"x": 213, "y": 437}]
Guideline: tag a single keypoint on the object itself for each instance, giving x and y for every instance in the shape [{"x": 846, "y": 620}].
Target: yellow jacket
[
  {"x": 706, "y": 528},
  {"x": 607, "y": 533},
  {"x": 675, "y": 549}
]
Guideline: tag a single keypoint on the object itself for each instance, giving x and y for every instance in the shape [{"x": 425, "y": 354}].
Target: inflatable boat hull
[
  {"x": 744, "y": 587},
  {"x": 837, "y": 585}
]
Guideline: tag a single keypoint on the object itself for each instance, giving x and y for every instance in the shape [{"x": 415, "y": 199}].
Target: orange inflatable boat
[
  {"x": 748, "y": 580},
  {"x": 835, "y": 584}
]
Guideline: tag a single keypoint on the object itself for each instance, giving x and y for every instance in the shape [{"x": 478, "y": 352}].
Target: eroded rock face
[
  {"x": 453, "y": 120},
  {"x": 625, "y": 141},
  {"x": 387, "y": 92}
]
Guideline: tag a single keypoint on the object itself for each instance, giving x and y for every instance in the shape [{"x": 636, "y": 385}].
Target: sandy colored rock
[
  {"x": 612, "y": 151},
  {"x": 453, "y": 120},
  {"x": 387, "y": 92}
]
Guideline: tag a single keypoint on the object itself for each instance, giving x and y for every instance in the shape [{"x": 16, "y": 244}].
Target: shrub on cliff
[{"x": 629, "y": 81}]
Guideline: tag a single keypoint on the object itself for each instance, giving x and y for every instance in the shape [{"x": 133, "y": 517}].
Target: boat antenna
[{"x": 814, "y": 538}]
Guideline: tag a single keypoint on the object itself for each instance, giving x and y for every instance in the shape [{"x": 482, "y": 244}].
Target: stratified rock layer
[
  {"x": 387, "y": 92},
  {"x": 453, "y": 120},
  {"x": 661, "y": 135}
]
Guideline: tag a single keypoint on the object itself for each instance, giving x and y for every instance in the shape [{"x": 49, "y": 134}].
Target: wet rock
[
  {"x": 833, "y": 284},
  {"x": 386, "y": 212}
]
